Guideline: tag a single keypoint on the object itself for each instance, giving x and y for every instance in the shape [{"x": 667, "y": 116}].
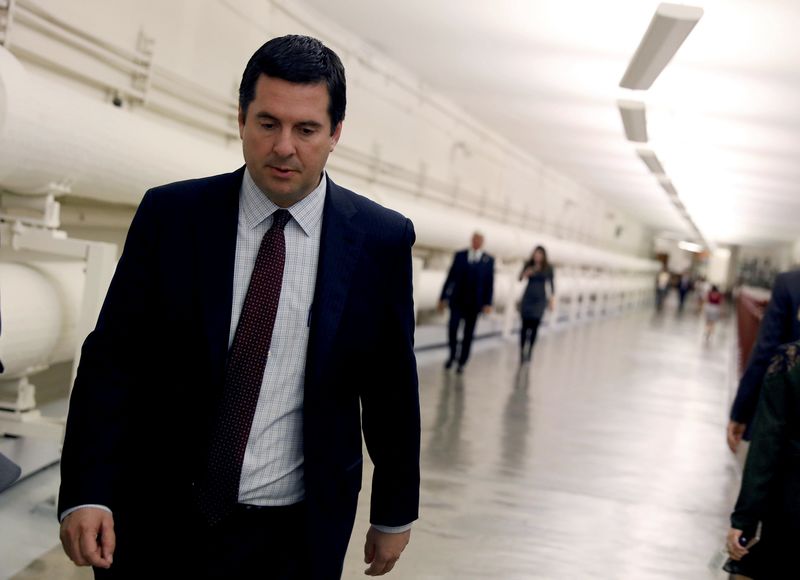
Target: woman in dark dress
[
  {"x": 770, "y": 491},
  {"x": 539, "y": 274}
]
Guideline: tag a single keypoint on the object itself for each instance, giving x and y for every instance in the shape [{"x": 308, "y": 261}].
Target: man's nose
[{"x": 284, "y": 146}]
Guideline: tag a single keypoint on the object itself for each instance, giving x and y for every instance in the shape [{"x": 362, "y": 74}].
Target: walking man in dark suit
[
  {"x": 780, "y": 325},
  {"x": 257, "y": 322},
  {"x": 467, "y": 291}
]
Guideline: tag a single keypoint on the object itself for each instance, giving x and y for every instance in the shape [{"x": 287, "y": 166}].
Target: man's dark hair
[{"x": 297, "y": 59}]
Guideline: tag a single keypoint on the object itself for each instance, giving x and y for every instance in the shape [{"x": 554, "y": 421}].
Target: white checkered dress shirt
[{"x": 272, "y": 471}]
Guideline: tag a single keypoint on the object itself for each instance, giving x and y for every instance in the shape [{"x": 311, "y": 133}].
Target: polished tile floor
[{"x": 605, "y": 458}]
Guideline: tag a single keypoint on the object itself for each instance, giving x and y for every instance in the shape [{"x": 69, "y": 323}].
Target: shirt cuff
[
  {"x": 65, "y": 513},
  {"x": 393, "y": 529}
]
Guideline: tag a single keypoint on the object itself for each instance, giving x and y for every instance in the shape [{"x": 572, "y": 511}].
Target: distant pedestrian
[
  {"x": 468, "y": 291},
  {"x": 701, "y": 289},
  {"x": 684, "y": 287},
  {"x": 539, "y": 273},
  {"x": 713, "y": 308},
  {"x": 662, "y": 287}
]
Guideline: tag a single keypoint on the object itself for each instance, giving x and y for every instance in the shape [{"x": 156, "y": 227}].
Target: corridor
[{"x": 605, "y": 459}]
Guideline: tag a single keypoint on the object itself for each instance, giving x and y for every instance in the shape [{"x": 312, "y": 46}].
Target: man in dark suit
[
  {"x": 781, "y": 324},
  {"x": 468, "y": 291},
  {"x": 257, "y": 322}
]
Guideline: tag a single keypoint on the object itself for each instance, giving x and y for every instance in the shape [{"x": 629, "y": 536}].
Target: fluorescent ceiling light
[
  {"x": 666, "y": 184},
  {"x": 634, "y": 120},
  {"x": 670, "y": 26},
  {"x": 690, "y": 247},
  {"x": 652, "y": 162}
]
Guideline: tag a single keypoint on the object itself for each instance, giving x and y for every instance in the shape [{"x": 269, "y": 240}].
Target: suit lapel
[
  {"x": 217, "y": 244},
  {"x": 340, "y": 248}
]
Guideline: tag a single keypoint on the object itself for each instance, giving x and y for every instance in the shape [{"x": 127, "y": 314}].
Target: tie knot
[{"x": 280, "y": 218}]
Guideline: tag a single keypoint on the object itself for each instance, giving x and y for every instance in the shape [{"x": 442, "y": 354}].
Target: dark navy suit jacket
[
  {"x": 780, "y": 325},
  {"x": 468, "y": 291},
  {"x": 152, "y": 372}
]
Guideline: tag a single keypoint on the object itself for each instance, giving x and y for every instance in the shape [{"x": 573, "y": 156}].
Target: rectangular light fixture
[
  {"x": 690, "y": 247},
  {"x": 634, "y": 120},
  {"x": 652, "y": 162},
  {"x": 666, "y": 185},
  {"x": 670, "y": 26}
]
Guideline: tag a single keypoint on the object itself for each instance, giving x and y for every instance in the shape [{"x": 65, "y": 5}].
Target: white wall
[
  {"x": 795, "y": 253},
  {"x": 399, "y": 132},
  {"x": 719, "y": 268},
  {"x": 678, "y": 259}
]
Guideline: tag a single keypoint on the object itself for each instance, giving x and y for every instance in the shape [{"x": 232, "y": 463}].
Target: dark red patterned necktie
[{"x": 219, "y": 493}]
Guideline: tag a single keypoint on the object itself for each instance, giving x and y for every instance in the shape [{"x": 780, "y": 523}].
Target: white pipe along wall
[
  {"x": 50, "y": 134},
  {"x": 119, "y": 155}
]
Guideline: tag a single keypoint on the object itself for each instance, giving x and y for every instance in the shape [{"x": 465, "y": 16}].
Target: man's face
[
  {"x": 286, "y": 138},
  {"x": 477, "y": 241}
]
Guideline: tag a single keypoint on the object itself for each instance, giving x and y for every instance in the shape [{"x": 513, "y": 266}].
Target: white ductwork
[
  {"x": 446, "y": 227},
  {"x": 55, "y": 137},
  {"x": 39, "y": 305}
]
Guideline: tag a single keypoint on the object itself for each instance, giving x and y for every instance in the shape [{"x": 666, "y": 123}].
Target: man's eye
[
  {"x": 307, "y": 131},
  {"x": 267, "y": 125}
]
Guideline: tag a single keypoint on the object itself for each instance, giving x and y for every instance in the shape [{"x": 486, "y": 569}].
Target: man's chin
[
  {"x": 282, "y": 187},
  {"x": 281, "y": 192}
]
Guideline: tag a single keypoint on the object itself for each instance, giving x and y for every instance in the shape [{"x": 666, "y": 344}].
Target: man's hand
[
  {"x": 87, "y": 536},
  {"x": 551, "y": 304},
  {"x": 736, "y": 550},
  {"x": 735, "y": 434},
  {"x": 381, "y": 551},
  {"x": 487, "y": 309},
  {"x": 441, "y": 306}
]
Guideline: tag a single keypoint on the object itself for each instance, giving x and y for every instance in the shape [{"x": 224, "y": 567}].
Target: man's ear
[
  {"x": 335, "y": 137},
  {"x": 241, "y": 123}
]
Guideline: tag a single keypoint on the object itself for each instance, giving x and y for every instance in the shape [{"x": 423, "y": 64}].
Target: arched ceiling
[{"x": 723, "y": 117}]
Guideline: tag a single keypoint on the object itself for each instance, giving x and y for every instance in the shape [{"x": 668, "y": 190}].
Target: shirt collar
[{"x": 256, "y": 206}]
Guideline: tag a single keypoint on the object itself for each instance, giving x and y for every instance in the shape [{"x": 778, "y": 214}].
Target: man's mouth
[{"x": 282, "y": 171}]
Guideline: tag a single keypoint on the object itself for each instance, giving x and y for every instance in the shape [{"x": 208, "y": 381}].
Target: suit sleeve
[
  {"x": 447, "y": 289},
  {"x": 775, "y": 330},
  {"x": 489, "y": 292},
  {"x": 113, "y": 360},
  {"x": 390, "y": 413},
  {"x": 766, "y": 451}
]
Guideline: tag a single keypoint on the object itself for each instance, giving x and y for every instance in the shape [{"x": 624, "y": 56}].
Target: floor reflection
[
  {"x": 516, "y": 425},
  {"x": 603, "y": 458},
  {"x": 445, "y": 449}
]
